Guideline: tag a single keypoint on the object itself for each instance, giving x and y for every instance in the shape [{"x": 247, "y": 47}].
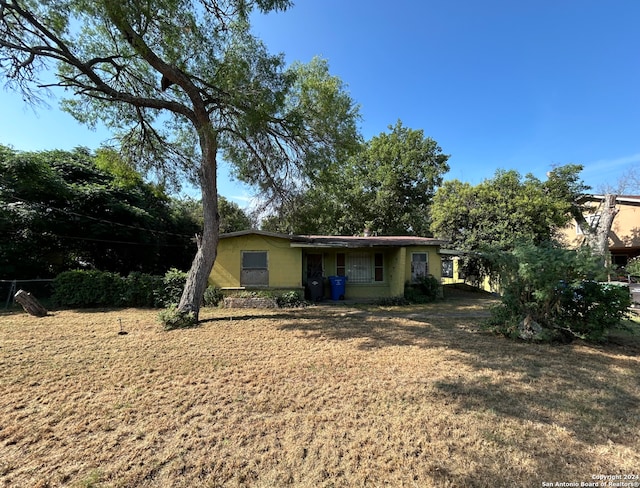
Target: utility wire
[{"x": 69, "y": 212}]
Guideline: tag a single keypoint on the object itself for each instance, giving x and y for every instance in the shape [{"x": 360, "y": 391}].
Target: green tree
[
  {"x": 504, "y": 211},
  {"x": 59, "y": 210},
  {"x": 386, "y": 187},
  {"x": 181, "y": 81},
  {"x": 232, "y": 217}
]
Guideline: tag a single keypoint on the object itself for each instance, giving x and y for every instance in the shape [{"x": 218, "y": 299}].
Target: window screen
[
  {"x": 254, "y": 260},
  {"x": 419, "y": 266},
  {"x": 359, "y": 267},
  {"x": 254, "y": 270}
]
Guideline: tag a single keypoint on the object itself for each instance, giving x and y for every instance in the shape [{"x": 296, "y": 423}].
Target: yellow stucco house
[
  {"x": 369, "y": 267},
  {"x": 624, "y": 238}
]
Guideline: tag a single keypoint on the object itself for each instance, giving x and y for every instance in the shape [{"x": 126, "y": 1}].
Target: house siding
[
  {"x": 284, "y": 262},
  {"x": 288, "y": 258},
  {"x": 624, "y": 238}
]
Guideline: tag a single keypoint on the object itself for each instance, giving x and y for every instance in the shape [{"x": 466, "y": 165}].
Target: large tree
[
  {"x": 181, "y": 82},
  {"x": 63, "y": 210},
  {"x": 386, "y": 187},
  {"x": 506, "y": 210}
]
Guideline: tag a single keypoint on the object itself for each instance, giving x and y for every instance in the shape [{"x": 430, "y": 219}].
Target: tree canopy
[
  {"x": 62, "y": 210},
  {"x": 182, "y": 82},
  {"x": 386, "y": 187},
  {"x": 506, "y": 210}
]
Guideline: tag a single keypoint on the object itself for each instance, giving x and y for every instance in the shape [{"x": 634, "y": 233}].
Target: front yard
[{"x": 324, "y": 396}]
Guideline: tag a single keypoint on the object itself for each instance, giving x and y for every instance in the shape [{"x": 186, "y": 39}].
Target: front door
[
  {"x": 314, "y": 267},
  {"x": 313, "y": 278}
]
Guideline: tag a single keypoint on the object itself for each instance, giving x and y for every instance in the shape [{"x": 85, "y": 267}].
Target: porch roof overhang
[{"x": 353, "y": 242}]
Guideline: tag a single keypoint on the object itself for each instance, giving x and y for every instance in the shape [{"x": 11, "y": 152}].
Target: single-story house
[{"x": 374, "y": 266}]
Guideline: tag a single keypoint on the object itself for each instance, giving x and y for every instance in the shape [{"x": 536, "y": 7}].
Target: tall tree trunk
[
  {"x": 597, "y": 232},
  {"x": 202, "y": 264}
]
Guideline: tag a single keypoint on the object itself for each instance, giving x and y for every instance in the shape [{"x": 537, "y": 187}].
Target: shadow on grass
[{"x": 577, "y": 387}]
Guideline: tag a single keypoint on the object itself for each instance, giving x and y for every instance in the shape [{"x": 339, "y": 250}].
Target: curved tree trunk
[
  {"x": 202, "y": 264},
  {"x": 596, "y": 233}
]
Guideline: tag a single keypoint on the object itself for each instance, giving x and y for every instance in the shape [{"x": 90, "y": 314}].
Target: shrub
[
  {"x": 557, "y": 290},
  {"x": 589, "y": 309},
  {"x": 212, "y": 296},
  {"x": 633, "y": 266},
  {"x": 92, "y": 288},
  {"x": 85, "y": 289},
  {"x": 427, "y": 289},
  {"x": 173, "y": 285},
  {"x": 141, "y": 290},
  {"x": 171, "y": 318},
  {"x": 290, "y": 299}
]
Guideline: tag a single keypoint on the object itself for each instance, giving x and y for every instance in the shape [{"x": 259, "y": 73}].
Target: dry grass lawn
[{"x": 320, "y": 397}]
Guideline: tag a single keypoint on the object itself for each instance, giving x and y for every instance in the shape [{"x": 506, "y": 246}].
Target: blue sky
[{"x": 499, "y": 84}]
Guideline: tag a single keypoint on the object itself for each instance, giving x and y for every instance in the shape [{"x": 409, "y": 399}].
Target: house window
[
  {"x": 447, "y": 268},
  {"x": 360, "y": 267},
  {"x": 255, "y": 269},
  {"x": 340, "y": 264},
  {"x": 378, "y": 266},
  {"x": 419, "y": 266}
]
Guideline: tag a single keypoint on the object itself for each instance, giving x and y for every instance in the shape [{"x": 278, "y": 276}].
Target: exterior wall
[
  {"x": 356, "y": 290},
  {"x": 284, "y": 262},
  {"x": 625, "y": 231},
  {"x": 288, "y": 265},
  {"x": 624, "y": 238},
  {"x": 433, "y": 261}
]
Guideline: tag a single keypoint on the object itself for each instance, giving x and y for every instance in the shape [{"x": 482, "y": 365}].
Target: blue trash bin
[{"x": 338, "y": 286}]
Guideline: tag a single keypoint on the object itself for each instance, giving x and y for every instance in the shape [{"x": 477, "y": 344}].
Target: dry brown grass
[{"x": 317, "y": 397}]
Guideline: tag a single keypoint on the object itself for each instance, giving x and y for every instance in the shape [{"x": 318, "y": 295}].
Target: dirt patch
[{"x": 312, "y": 397}]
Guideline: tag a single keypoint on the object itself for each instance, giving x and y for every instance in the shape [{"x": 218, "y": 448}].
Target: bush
[
  {"x": 589, "y": 309},
  {"x": 173, "y": 285},
  {"x": 633, "y": 266},
  {"x": 85, "y": 289},
  {"x": 141, "y": 290},
  {"x": 212, "y": 296},
  {"x": 290, "y": 299},
  {"x": 171, "y": 318},
  {"x": 557, "y": 290},
  {"x": 427, "y": 289}
]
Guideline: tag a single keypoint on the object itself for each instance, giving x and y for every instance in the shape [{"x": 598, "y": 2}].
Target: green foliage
[
  {"x": 63, "y": 210},
  {"x": 173, "y": 281},
  {"x": 212, "y": 296},
  {"x": 290, "y": 299},
  {"x": 386, "y": 186},
  {"x": 141, "y": 290},
  {"x": 589, "y": 309},
  {"x": 633, "y": 267},
  {"x": 172, "y": 318},
  {"x": 426, "y": 289},
  {"x": 87, "y": 289},
  {"x": 504, "y": 211},
  {"x": 556, "y": 289}
]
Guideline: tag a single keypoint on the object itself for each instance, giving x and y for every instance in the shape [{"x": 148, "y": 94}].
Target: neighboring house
[
  {"x": 374, "y": 266},
  {"x": 624, "y": 238}
]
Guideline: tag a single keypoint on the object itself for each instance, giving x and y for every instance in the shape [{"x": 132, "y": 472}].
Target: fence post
[{"x": 12, "y": 290}]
